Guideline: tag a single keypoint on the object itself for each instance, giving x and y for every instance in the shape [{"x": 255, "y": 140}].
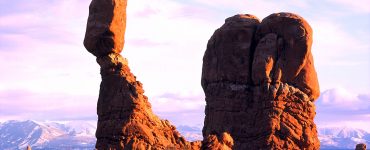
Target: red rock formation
[
  {"x": 106, "y": 27},
  {"x": 293, "y": 49},
  {"x": 125, "y": 117},
  {"x": 229, "y": 50},
  {"x": 126, "y": 120},
  {"x": 226, "y": 78},
  {"x": 261, "y": 93},
  {"x": 258, "y": 78},
  {"x": 222, "y": 142}
]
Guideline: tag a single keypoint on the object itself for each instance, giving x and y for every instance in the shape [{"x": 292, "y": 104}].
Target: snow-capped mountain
[
  {"x": 80, "y": 135},
  {"x": 342, "y": 137},
  {"x": 190, "y": 133},
  {"x": 330, "y": 137},
  {"x": 47, "y": 135}
]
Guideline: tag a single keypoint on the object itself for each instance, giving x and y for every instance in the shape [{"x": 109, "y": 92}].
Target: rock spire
[{"x": 125, "y": 117}]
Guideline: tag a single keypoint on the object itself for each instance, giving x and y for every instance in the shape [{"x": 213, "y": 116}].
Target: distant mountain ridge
[
  {"x": 80, "y": 135},
  {"x": 47, "y": 135},
  {"x": 342, "y": 137}
]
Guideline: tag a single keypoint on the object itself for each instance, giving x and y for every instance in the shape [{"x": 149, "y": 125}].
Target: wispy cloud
[
  {"x": 21, "y": 104},
  {"x": 146, "y": 12},
  {"x": 342, "y": 99},
  {"x": 41, "y": 45},
  {"x": 180, "y": 108},
  {"x": 49, "y": 23},
  {"x": 143, "y": 43},
  {"x": 360, "y": 6},
  {"x": 178, "y": 102},
  {"x": 342, "y": 107},
  {"x": 41, "y": 53}
]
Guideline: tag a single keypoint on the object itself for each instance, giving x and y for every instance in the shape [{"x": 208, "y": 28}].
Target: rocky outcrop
[
  {"x": 228, "y": 52},
  {"x": 361, "y": 146},
  {"x": 292, "y": 45},
  {"x": 125, "y": 117},
  {"x": 106, "y": 26},
  {"x": 258, "y": 77},
  {"x": 226, "y": 77},
  {"x": 223, "y": 142},
  {"x": 260, "y": 84}
]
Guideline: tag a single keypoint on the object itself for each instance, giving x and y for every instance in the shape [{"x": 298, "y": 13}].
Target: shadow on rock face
[{"x": 260, "y": 83}]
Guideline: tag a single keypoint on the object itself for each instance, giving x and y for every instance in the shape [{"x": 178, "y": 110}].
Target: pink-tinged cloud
[
  {"x": 359, "y": 6},
  {"x": 342, "y": 99},
  {"x": 180, "y": 109},
  {"x": 178, "y": 102},
  {"x": 40, "y": 106},
  {"x": 339, "y": 106},
  {"x": 146, "y": 12},
  {"x": 144, "y": 43}
]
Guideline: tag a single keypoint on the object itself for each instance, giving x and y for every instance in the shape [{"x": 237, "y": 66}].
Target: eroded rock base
[
  {"x": 260, "y": 118},
  {"x": 125, "y": 117}
]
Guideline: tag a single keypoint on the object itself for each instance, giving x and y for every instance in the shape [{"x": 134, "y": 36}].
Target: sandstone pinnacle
[{"x": 125, "y": 117}]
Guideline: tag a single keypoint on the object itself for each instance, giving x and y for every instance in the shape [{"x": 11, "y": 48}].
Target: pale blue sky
[{"x": 48, "y": 74}]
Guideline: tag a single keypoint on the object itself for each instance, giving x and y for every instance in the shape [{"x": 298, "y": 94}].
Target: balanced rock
[
  {"x": 261, "y": 93},
  {"x": 106, "y": 27},
  {"x": 125, "y": 117}
]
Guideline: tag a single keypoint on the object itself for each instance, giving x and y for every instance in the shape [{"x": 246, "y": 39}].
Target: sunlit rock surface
[
  {"x": 106, "y": 26},
  {"x": 260, "y": 84},
  {"x": 125, "y": 117},
  {"x": 258, "y": 77}
]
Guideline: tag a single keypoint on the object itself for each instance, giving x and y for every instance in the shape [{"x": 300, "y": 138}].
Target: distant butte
[{"x": 258, "y": 77}]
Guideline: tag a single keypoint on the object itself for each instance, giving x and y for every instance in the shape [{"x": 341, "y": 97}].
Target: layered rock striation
[
  {"x": 260, "y": 84},
  {"x": 125, "y": 117}
]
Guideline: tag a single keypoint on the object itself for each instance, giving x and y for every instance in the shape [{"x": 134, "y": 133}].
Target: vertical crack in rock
[
  {"x": 260, "y": 84},
  {"x": 125, "y": 117},
  {"x": 226, "y": 80}
]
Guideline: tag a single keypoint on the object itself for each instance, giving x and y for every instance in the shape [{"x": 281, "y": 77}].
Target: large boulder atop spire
[
  {"x": 125, "y": 117},
  {"x": 106, "y": 27}
]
